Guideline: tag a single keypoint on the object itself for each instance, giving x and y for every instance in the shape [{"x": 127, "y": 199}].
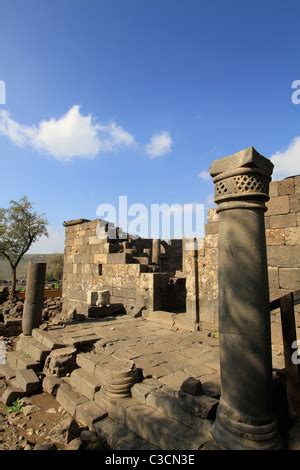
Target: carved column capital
[{"x": 242, "y": 180}]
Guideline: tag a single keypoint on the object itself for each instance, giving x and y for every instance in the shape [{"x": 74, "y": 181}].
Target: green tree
[
  {"x": 55, "y": 268},
  {"x": 20, "y": 226}
]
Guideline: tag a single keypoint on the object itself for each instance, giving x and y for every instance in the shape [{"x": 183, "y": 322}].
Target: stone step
[
  {"x": 194, "y": 415},
  {"x": 118, "y": 437},
  {"x": 162, "y": 431},
  {"x": 85, "y": 383},
  {"x": 47, "y": 339},
  {"x": 89, "y": 413},
  {"x": 27, "y": 380},
  {"x": 33, "y": 348},
  {"x": 20, "y": 360},
  {"x": 7, "y": 372},
  {"x": 69, "y": 398}
]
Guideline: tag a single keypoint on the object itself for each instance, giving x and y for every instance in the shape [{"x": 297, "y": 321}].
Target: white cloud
[
  {"x": 53, "y": 244},
  {"x": 204, "y": 175},
  {"x": 287, "y": 162},
  {"x": 160, "y": 144},
  {"x": 70, "y": 136}
]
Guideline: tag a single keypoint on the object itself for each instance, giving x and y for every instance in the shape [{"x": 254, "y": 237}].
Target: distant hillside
[{"x": 22, "y": 268}]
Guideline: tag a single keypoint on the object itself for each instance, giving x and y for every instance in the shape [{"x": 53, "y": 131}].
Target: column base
[{"x": 233, "y": 433}]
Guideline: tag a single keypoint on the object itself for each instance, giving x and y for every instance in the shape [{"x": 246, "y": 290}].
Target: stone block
[
  {"x": 27, "y": 380},
  {"x": 26, "y": 362},
  {"x": 275, "y": 236},
  {"x": 286, "y": 187},
  {"x": 163, "y": 431},
  {"x": 69, "y": 399},
  {"x": 87, "y": 361},
  {"x": 89, "y": 413},
  {"x": 46, "y": 338},
  {"x": 11, "y": 394},
  {"x": 273, "y": 189},
  {"x": 212, "y": 215},
  {"x": 201, "y": 406},
  {"x": 103, "y": 298},
  {"x": 140, "y": 391},
  {"x": 278, "y": 205},
  {"x": 292, "y": 236},
  {"x": 51, "y": 385},
  {"x": 284, "y": 256},
  {"x": 174, "y": 380},
  {"x": 38, "y": 351},
  {"x": 211, "y": 228},
  {"x": 92, "y": 297},
  {"x": 289, "y": 278},
  {"x": 294, "y": 200},
  {"x": 12, "y": 358},
  {"x": 283, "y": 221},
  {"x": 85, "y": 383},
  {"x": 273, "y": 278}
]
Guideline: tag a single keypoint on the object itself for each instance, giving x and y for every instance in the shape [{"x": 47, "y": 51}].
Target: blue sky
[{"x": 112, "y": 97}]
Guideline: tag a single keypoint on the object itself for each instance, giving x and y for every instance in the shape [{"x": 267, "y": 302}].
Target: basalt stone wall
[
  {"x": 282, "y": 222},
  {"x": 94, "y": 263}
]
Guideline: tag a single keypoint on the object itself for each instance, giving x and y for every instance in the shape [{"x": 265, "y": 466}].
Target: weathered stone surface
[
  {"x": 27, "y": 380},
  {"x": 289, "y": 278},
  {"x": 140, "y": 391},
  {"x": 275, "y": 236},
  {"x": 282, "y": 221},
  {"x": 174, "y": 380},
  {"x": 85, "y": 383},
  {"x": 69, "y": 399},
  {"x": 278, "y": 205},
  {"x": 273, "y": 278},
  {"x": 60, "y": 362},
  {"x": 89, "y": 413},
  {"x": 286, "y": 186},
  {"x": 11, "y": 394},
  {"x": 119, "y": 437},
  {"x": 292, "y": 236},
  {"x": 161, "y": 431},
  {"x": 284, "y": 256},
  {"x": 75, "y": 444},
  {"x": 51, "y": 385},
  {"x": 201, "y": 406},
  {"x": 192, "y": 386}
]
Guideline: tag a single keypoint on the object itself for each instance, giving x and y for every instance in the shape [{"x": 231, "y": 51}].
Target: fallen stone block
[
  {"x": 85, "y": 383},
  {"x": 69, "y": 398},
  {"x": 28, "y": 380},
  {"x": 192, "y": 386},
  {"x": 51, "y": 385},
  {"x": 12, "y": 394},
  {"x": 60, "y": 362},
  {"x": 202, "y": 406},
  {"x": 89, "y": 413}
]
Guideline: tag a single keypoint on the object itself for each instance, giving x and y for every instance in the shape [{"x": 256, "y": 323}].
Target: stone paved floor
[{"x": 170, "y": 356}]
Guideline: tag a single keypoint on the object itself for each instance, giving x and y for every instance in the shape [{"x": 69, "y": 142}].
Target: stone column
[
  {"x": 155, "y": 251},
  {"x": 33, "y": 306},
  {"x": 244, "y": 419}
]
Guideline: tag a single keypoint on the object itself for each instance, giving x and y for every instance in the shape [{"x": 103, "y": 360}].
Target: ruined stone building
[{"x": 176, "y": 281}]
